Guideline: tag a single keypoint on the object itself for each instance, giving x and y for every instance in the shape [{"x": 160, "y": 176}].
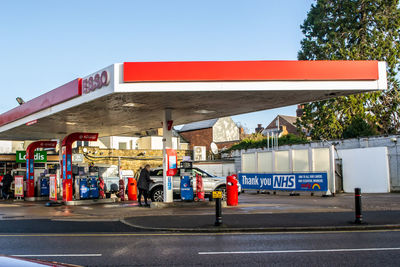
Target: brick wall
[{"x": 202, "y": 137}]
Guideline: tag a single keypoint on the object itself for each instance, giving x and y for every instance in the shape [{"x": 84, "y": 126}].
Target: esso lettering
[{"x": 96, "y": 81}]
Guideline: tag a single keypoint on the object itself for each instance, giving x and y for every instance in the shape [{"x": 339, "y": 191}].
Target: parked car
[{"x": 210, "y": 183}]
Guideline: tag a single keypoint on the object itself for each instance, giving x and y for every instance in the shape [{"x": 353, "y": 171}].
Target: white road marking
[
  {"x": 296, "y": 251},
  {"x": 59, "y": 255}
]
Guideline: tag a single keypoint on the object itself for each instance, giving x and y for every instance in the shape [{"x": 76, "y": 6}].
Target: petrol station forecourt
[{"x": 126, "y": 98}]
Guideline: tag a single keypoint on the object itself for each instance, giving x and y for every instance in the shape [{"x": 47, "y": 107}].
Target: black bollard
[
  {"x": 357, "y": 197},
  {"x": 218, "y": 212}
]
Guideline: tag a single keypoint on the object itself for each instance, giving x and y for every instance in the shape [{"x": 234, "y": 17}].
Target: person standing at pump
[
  {"x": 7, "y": 180},
  {"x": 144, "y": 185}
]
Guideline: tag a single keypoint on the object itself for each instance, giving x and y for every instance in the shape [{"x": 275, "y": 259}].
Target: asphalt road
[{"x": 373, "y": 248}]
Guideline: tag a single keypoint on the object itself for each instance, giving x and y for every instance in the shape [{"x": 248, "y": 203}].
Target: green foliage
[
  {"x": 353, "y": 30},
  {"x": 260, "y": 141},
  {"x": 291, "y": 139},
  {"x": 357, "y": 128}
]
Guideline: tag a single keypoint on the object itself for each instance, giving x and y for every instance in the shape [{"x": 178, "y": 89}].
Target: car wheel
[
  {"x": 223, "y": 189},
  {"x": 157, "y": 195}
]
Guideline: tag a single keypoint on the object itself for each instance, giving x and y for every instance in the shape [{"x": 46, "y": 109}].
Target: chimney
[
  {"x": 299, "y": 110},
  {"x": 259, "y": 128}
]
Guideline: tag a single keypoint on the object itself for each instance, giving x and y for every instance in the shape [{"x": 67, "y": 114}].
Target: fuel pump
[
  {"x": 43, "y": 182},
  {"x": 93, "y": 182},
  {"x": 186, "y": 181}
]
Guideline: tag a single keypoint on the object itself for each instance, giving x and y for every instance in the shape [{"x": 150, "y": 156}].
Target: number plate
[{"x": 217, "y": 194}]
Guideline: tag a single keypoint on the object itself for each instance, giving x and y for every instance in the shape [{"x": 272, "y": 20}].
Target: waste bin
[
  {"x": 186, "y": 188},
  {"x": 232, "y": 196},
  {"x": 93, "y": 188},
  {"x": 83, "y": 188},
  {"x": 44, "y": 186},
  {"x": 132, "y": 189}
]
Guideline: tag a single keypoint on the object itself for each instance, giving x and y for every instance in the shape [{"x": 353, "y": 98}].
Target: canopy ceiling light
[
  {"x": 132, "y": 105},
  {"x": 204, "y": 111}
]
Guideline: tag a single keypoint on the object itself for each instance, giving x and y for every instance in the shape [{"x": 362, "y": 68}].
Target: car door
[{"x": 177, "y": 182}]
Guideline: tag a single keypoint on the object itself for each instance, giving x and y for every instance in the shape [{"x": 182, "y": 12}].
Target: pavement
[
  {"x": 255, "y": 212},
  {"x": 279, "y": 222}
]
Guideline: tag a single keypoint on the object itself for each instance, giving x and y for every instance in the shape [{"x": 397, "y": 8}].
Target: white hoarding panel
[
  {"x": 264, "y": 163},
  {"x": 249, "y": 163},
  {"x": 282, "y": 161},
  {"x": 300, "y": 160},
  {"x": 367, "y": 168},
  {"x": 321, "y": 159}
]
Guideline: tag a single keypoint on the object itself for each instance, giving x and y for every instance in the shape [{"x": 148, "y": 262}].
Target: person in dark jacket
[
  {"x": 7, "y": 180},
  {"x": 144, "y": 184}
]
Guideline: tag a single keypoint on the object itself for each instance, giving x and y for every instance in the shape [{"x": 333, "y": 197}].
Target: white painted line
[
  {"x": 59, "y": 255},
  {"x": 297, "y": 251}
]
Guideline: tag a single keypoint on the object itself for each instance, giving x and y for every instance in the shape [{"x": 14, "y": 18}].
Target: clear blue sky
[{"x": 44, "y": 44}]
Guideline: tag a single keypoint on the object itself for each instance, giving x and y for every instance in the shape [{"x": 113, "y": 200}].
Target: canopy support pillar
[{"x": 167, "y": 143}]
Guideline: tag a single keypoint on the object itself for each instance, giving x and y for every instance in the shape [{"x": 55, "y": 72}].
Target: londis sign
[
  {"x": 40, "y": 156},
  {"x": 96, "y": 81}
]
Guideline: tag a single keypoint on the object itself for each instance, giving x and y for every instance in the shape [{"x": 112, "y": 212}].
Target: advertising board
[{"x": 285, "y": 181}]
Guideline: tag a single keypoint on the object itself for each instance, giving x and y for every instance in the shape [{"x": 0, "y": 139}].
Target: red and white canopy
[{"x": 126, "y": 98}]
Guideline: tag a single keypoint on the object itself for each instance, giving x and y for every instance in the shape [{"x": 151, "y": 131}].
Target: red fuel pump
[
  {"x": 199, "y": 187},
  {"x": 232, "y": 196},
  {"x": 132, "y": 189},
  {"x": 101, "y": 188}
]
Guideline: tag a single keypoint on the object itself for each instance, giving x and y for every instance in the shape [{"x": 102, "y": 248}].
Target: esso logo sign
[
  {"x": 89, "y": 137},
  {"x": 95, "y": 82}
]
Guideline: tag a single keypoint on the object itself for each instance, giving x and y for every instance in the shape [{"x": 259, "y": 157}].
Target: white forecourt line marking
[
  {"x": 59, "y": 255},
  {"x": 296, "y": 251}
]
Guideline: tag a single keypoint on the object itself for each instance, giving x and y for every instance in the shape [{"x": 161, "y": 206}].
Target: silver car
[{"x": 210, "y": 183}]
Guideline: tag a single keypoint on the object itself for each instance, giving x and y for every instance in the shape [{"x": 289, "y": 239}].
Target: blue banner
[
  {"x": 284, "y": 181},
  {"x": 69, "y": 163}
]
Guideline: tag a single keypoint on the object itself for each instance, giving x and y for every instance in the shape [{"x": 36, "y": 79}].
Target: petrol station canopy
[{"x": 127, "y": 98}]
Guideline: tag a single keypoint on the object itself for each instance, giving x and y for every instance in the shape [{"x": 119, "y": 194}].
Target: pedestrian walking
[
  {"x": 7, "y": 180},
  {"x": 144, "y": 185}
]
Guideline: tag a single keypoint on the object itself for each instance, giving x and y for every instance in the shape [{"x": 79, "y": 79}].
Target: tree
[
  {"x": 357, "y": 128},
  {"x": 353, "y": 30}
]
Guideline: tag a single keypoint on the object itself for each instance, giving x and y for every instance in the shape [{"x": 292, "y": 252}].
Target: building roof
[
  {"x": 290, "y": 119},
  {"x": 198, "y": 125}
]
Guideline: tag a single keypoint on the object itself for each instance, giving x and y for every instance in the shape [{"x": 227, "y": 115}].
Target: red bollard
[
  {"x": 132, "y": 189},
  {"x": 232, "y": 196},
  {"x": 199, "y": 187}
]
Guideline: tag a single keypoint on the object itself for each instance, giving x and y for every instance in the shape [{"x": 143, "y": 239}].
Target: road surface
[{"x": 372, "y": 248}]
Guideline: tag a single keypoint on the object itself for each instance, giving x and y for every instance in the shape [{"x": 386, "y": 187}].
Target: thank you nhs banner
[{"x": 285, "y": 181}]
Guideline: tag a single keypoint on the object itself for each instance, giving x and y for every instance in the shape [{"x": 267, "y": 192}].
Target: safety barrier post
[
  {"x": 357, "y": 197},
  {"x": 217, "y": 195}
]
